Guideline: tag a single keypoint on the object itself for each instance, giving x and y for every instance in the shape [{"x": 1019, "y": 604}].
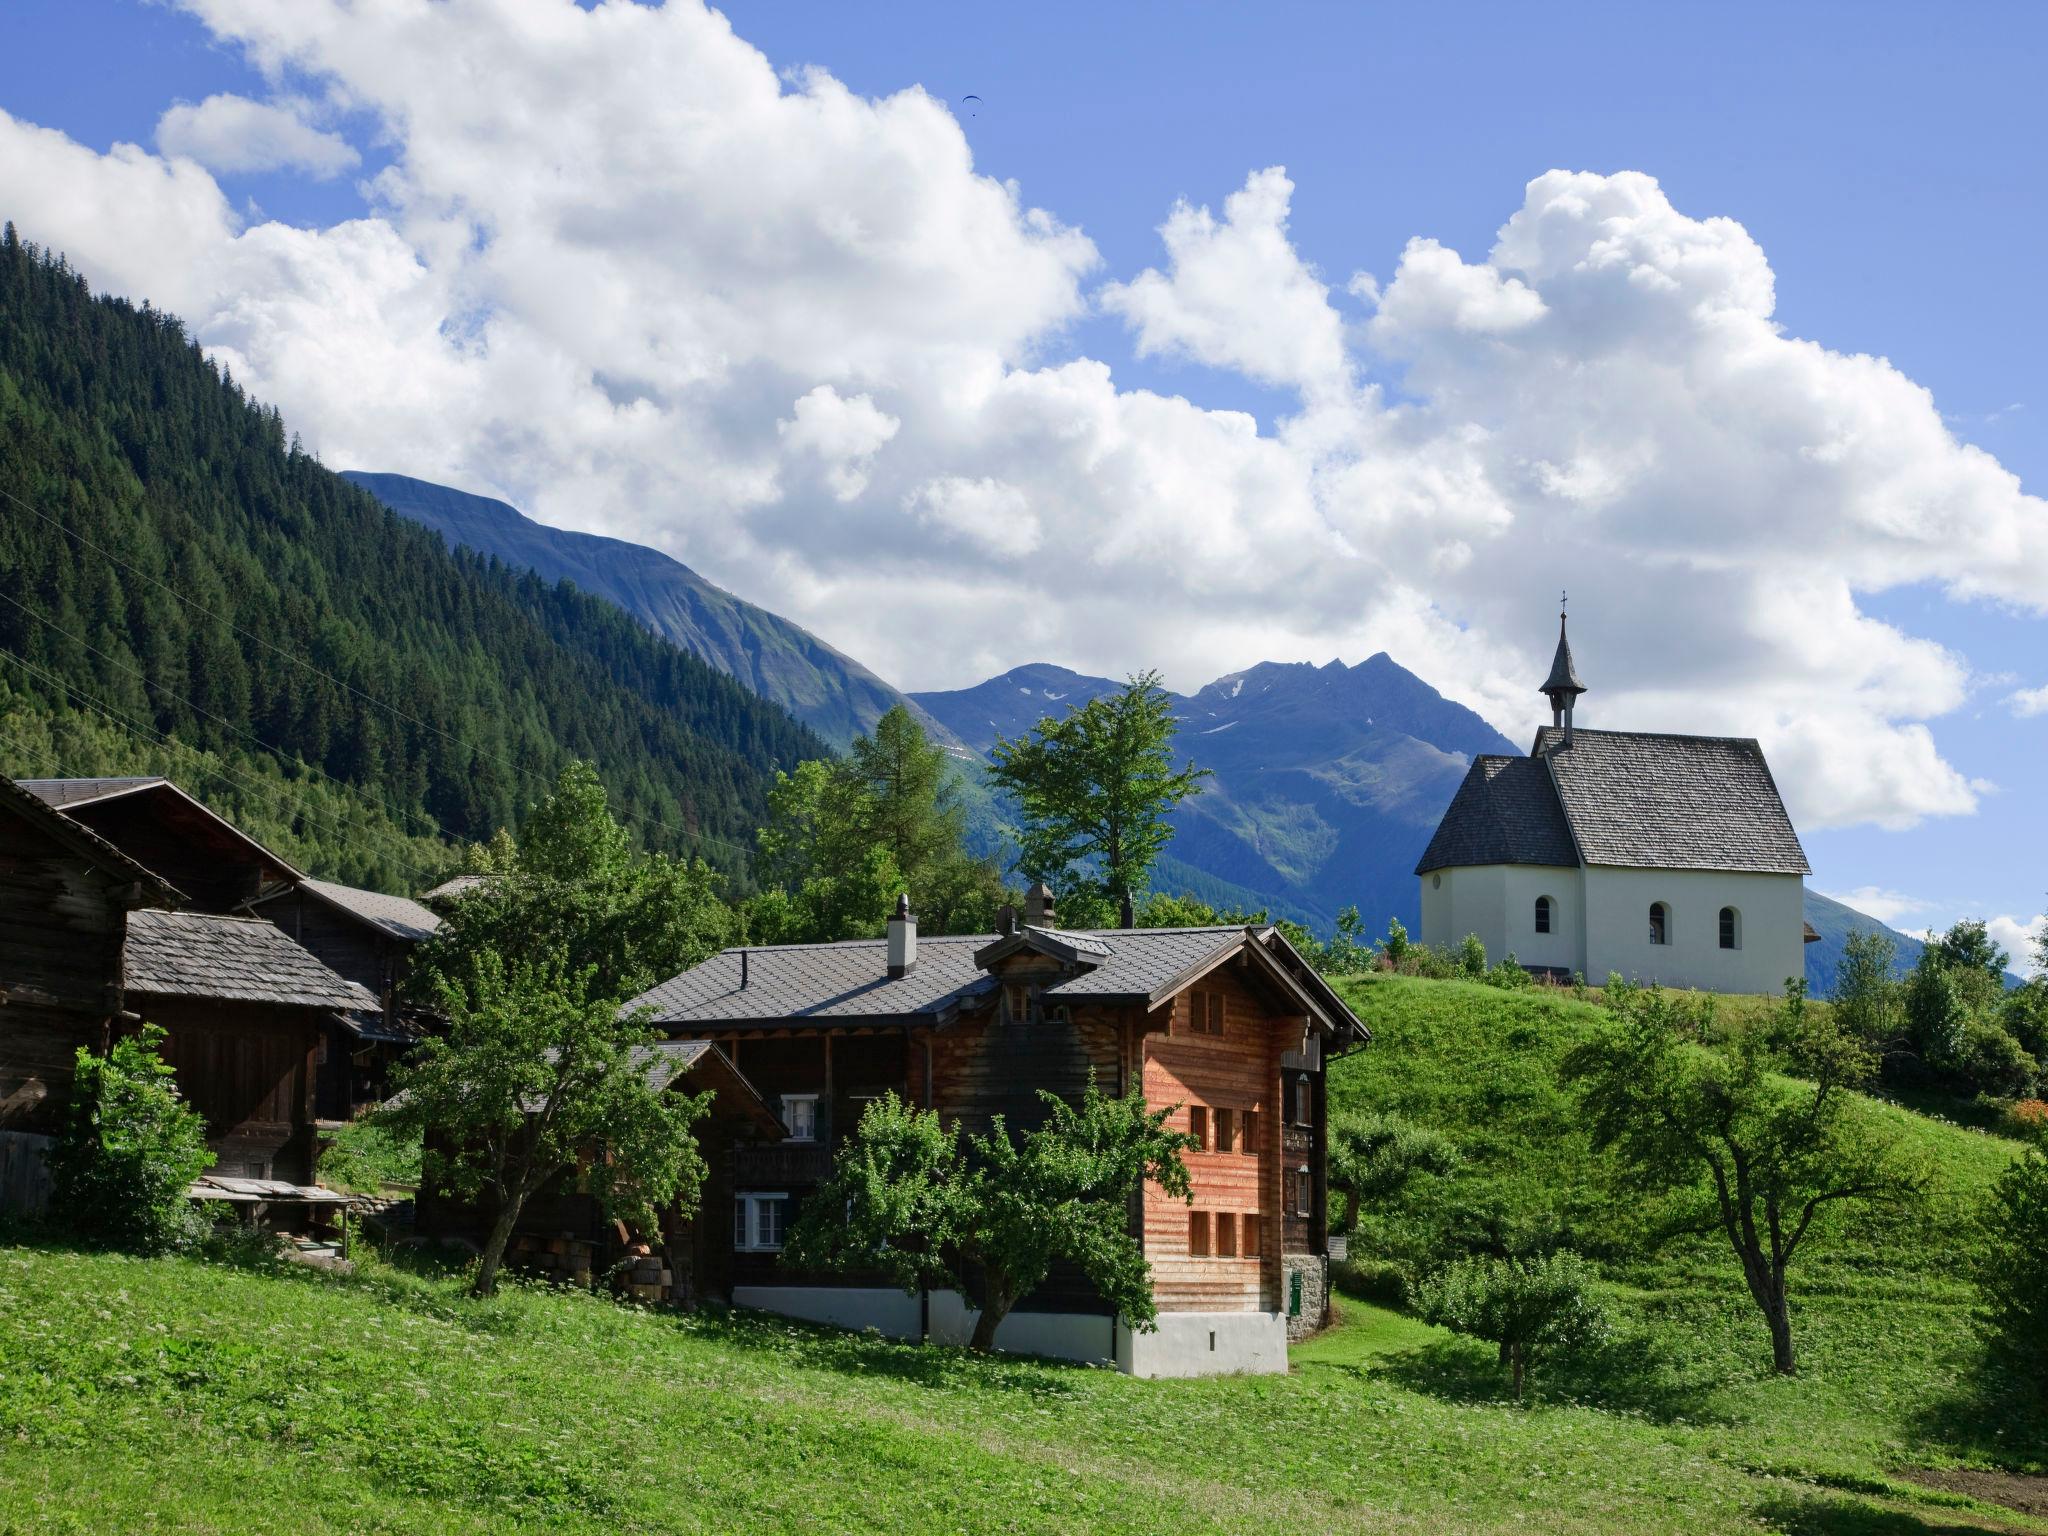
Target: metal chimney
[{"x": 903, "y": 938}]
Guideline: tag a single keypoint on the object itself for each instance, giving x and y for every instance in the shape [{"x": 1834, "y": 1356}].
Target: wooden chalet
[
  {"x": 247, "y": 1010},
  {"x": 1228, "y": 1025},
  {"x": 368, "y": 938},
  {"x": 65, "y": 897},
  {"x": 563, "y": 1233}
]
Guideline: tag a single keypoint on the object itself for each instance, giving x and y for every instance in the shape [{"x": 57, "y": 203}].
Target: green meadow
[{"x": 193, "y": 1395}]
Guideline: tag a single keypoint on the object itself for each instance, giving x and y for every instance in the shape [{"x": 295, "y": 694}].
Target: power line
[
  {"x": 395, "y": 811},
  {"x": 291, "y": 809},
  {"x": 641, "y": 820}
]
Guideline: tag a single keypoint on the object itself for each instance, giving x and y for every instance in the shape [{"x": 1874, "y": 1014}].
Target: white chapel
[{"x": 1663, "y": 858}]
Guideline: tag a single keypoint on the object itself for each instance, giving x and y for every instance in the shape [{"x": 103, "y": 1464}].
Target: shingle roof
[
  {"x": 63, "y": 792},
  {"x": 1506, "y": 812},
  {"x": 243, "y": 959},
  {"x": 74, "y": 795},
  {"x": 850, "y": 980},
  {"x": 399, "y": 916},
  {"x": 85, "y": 842},
  {"x": 1649, "y": 801}
]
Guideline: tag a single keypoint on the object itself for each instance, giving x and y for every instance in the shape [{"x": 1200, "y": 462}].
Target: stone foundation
[{"x": 1312, "y": 1273}]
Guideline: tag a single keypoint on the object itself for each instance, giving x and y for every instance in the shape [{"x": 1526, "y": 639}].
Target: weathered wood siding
[
  {"x": 61, "y": 930},
  {"x": 249, "y": 1070},
  {"x": 1237, "y": 1070},
  {"x": 179, "y": 844},
  {"x": 996, "y": 1062}
]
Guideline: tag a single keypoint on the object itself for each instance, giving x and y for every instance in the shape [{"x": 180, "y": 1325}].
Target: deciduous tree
[
  {"x": 539, "y": 1074},
  {"x": 2012, "y": 1278},
  {"x": 1093, "y": 790},
  {"x": 1773, "y": 1150},
  {"x": 1529, "y": 1307},
  {"x": 914, "y": 1199},
  {"x": 1374, "y": 1157}
]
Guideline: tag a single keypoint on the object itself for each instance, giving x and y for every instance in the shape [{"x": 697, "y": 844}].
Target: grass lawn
[{"x": 183, "y": 1395}]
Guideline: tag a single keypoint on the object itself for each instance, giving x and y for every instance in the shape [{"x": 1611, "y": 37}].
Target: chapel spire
[{"x": 1562, "y": 687}]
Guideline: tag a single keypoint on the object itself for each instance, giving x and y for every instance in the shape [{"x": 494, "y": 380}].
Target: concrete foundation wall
[
  {"x": 1082, "y": 1336},
  {"x": 1185, "y": 1344},
  {"x": 1206, "y": 1344},
  {"x": 888, "y": 1312}
]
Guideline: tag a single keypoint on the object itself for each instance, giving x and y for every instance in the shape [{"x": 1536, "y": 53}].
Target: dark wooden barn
[
  {"x": 368, "y": 938},
  {"x": 65, "y": 896},
  {"x": 245, "y": 1010}
]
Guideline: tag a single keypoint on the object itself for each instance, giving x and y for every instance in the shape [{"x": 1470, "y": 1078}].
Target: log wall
[
  {"x": 249, "y": 1070},
  {"x": 1237, "y": 1070},
  {"x": 61, "y": 929}
]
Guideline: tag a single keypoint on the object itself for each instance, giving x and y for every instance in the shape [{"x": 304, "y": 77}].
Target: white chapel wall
[
  {"x": 1772, "y": 918},
  {"x": 1498, "y": 902}
]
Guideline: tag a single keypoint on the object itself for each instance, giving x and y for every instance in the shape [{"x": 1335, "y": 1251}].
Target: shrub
[
  {"x": 1508, "y": 975},
  {"x": 129, "y": 1149},
  {"x": 1472, "y": 957},
  {"x": 366, "y": 1155},
  {"x": 2028, "y": 1120},
  {"x": 1395, "y": 944},
  {"x": 1995, "y": 1062},
  {"x": 2012, "y": 1281},
  {"x": 1529, "y": 1307}
]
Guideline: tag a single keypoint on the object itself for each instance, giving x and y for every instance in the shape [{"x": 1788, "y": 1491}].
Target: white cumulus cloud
[
  {"x": 1887, "y": 906},
  {"x": 229, "y": 134},
  {"x": 2023, "y": 938},
  {"x": 2028, "y": 702},
  {"x": 624, "y": 274}
]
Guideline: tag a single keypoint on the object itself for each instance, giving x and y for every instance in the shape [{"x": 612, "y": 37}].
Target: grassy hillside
[{"x": 204, "y": 1397}]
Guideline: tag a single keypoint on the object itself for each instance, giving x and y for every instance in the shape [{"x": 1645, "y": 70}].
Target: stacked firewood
[
  {"x": 566, "y": 1259},
  {"x": 643, "y": 1276}
]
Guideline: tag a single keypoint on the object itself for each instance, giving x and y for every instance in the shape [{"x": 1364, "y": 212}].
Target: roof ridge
[{"x": 1588, "y": 730}]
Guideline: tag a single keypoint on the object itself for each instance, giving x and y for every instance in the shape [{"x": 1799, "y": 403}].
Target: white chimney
[{"x": 903, "y": 938}]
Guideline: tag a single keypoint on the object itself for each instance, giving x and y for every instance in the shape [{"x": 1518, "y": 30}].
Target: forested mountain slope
[
  {"x": 782, "y": 662},
  {"x": 170, "y": 559}
]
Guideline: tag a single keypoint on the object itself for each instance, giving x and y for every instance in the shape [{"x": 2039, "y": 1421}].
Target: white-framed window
[
  {"x": 1660, "y": 923},
  {"x": 1545, "y": 914},
  {"x": 1303, "y": 1112},
  {"x": 800, "y": 1116},
  {"x": 1304, "y": 1192},
  {"x": 1731, "y": 928},
  {"x": 759, "y": 1222}
]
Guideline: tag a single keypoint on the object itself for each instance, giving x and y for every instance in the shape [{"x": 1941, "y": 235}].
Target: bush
[
  {"x": 2027, "y": 1120},
  {"x": 129, "y": 1150},
  {"x": 367, "y": 1155},
  {"x": 1529, "y": 1307},
  {"x": 1996, "y": 1063},
  {"x": 1508, "y": 975},
  {"x": 2012, "y": 1280}
]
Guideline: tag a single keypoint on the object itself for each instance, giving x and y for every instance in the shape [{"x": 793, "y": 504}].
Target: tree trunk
[
  {"x": 995, "y": 1306},
  {"x": 495, "y": 1245},
  {"x": 1778, "y": 1313},
  {"x": 1515, "y": 1364}
]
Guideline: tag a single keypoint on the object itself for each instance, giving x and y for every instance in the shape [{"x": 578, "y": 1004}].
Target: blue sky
[{"x": 1885, "y": 158}]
